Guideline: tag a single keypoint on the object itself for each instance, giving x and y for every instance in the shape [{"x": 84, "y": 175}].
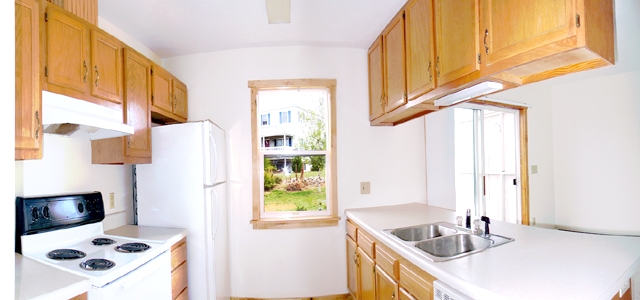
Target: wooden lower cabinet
[
  {"x": 386, "y": 287},
  {"x": 179, "y": 270},
  {"x": 381, "y": 273}
]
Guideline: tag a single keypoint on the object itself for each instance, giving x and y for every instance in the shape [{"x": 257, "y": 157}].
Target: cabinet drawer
[
  {"x": 178, "y": 280},
  {"x": 365, "y": 242},
  {"x": 416, "y": 281},
  {"x": 352, "y": 230},
  {"x": 404, "y": 295},
  {"x": 178, "y": 254},
  {"x": 387, "y": 260}
]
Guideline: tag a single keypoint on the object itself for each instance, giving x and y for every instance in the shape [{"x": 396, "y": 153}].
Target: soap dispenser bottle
[{"x": 468, "y": 223}]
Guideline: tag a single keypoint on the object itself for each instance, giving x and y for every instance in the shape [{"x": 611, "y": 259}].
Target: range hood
[{"x": 64, "y": 115}]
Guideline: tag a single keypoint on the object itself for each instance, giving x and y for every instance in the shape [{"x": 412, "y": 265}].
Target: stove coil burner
[
  {"x": 103, "y": 241},
  {"x": 97, "y": 264},
  {"x": 63, "y": 254},
  {"x": 132, "y": 247}
]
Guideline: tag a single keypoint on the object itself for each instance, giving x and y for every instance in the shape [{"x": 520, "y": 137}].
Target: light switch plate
[
  {"x": 365, "y": 188},
  {"x": 112, "y": 200},
  {"x": 534, "y": 169}
]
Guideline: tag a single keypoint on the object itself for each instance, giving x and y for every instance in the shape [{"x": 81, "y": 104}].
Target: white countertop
[
  {"x": 149, "y": 233},
  {"x": 35, "y": 280},
  {"x": 539, "y": 264}
]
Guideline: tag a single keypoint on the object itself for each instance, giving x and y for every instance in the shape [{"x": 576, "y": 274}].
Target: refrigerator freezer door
[{"x": 215, "y": 158}]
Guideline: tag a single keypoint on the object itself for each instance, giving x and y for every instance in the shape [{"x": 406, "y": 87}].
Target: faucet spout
[{"x": 486, "y": 221}]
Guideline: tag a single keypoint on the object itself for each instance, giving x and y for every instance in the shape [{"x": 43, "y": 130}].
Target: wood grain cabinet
[
  {"x": 169, "y": 97},
  {"x": 28, "y": 102},
  {"x": 135, "y": 148},
  {"x": 82, "y": 61},
  {"x": 376, "y": 272},
  {"x": 179, "y": 288},
  {"x": 394, "y": 64},
  {"x": 376, "y": 80},
  {"x": 532, "y": 40}
]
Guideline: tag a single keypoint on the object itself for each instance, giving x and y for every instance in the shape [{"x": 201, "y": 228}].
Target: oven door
[{"x": 149, "y": 281}]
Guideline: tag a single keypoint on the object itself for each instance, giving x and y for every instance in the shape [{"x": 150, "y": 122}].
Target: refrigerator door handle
[
  {"x": 214, "y": 197},
  {"x": 213, "y": 159}
]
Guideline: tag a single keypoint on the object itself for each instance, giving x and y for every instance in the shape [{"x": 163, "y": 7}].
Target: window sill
[{"x": 290, "y": 223}]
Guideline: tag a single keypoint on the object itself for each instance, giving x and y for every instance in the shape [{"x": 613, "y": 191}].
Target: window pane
[
  {"x": 294, "y": 183},
  {"x": 300, "y": 119}
]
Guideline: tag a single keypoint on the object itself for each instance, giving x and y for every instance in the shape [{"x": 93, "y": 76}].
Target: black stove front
[{"x": 47, "y": 213}]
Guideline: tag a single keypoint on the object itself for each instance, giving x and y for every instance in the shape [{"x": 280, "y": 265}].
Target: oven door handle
[{"x": 142, "y": 272}]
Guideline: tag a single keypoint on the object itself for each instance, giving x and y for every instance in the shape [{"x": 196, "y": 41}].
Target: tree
[
  {"x": 314, "y": 132},
  {"x": 297, "y": 166}
]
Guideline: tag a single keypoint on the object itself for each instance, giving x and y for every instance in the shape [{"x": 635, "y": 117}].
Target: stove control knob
[
  {"x": 46, "y": 212},
  {"x": 35, "y": 214},
  {"x": 80, "y": 207}
]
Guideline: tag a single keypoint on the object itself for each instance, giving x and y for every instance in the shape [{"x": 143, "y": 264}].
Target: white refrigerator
[{"x": 185, "y": 187}]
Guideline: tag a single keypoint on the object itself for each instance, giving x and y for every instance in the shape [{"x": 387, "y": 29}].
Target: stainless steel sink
[
  {"x": 454, "y": 245},
  {"x": 423, "y": 232},
  {"x": 443, "y": 241}
]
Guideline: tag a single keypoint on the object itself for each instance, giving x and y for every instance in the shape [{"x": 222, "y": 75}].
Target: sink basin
[
  {"x": 422, "y": 232},
  {"x": 454, "y": 245}
]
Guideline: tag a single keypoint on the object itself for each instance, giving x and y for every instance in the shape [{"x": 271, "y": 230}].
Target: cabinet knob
[
  {"x": 86, "y": 71},
  {"x": 429, "y": 70},
  {"x": 486, "y": 47},
  {"x": 37, "y": 125},
  {"x": 438, "y": 66},
  {"x": 393, "y": 295},
  {"x": 97, "y": 75}
]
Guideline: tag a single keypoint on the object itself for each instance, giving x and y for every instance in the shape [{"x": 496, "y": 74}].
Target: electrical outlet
[
  {"x": 534, "y": 169},
  {"x": 365, "y": 188},
  {"x": 534, "y": 222},
  {"x": 112, "y": 200}
]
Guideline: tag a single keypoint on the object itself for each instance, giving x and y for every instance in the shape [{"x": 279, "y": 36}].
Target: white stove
[{"x": 65, "y": 232}]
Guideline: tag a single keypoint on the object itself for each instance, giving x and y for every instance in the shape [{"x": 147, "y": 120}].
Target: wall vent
[{"x": 445, "y": 292}]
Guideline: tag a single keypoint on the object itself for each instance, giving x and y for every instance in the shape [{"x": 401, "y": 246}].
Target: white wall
[
  {"x": 7, "y": 122},
  {"x": 301, "y": 262},
  {"x": 66, "y": 167}
]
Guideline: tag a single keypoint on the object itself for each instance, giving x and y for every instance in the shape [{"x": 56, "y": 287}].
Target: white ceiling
[{"x": 181, "y": 27}]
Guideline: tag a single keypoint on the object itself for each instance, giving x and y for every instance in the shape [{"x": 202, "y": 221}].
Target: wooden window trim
[
  {"x": 297, "y": 222},
  {"x": 524, "y": 154}
]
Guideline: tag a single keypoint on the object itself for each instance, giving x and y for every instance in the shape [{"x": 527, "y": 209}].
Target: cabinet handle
[
  {"x": 438, "y": 66},
  {"x": 486, "y": 47},
  {"x": 97, "y": 75},
  {"x": 429, "y": 70},
  {"x": 175, "y": 102},
  {"x": 37, "y": 125},
  {"x": 393, "y": 295},
  {"x": 86, "y": 71},
  {"x": 355, "y": 258}
]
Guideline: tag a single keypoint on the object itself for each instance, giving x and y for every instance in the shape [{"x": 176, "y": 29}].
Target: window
[
  {"x": 266, "y": 119},
  {"x": 294, "y": 181},
  {"x": 488, "y": 163}
]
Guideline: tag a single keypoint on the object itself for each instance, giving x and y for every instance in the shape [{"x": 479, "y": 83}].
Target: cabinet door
[
  {"x": 137, "y": 96},
  {"x": 394, "y": 64},
  {"x": 366, "y": 272},
  {"x": 456, "y": 39},
  {"x": 106, "y": 71},
  {"x": 67, "y": 51},
  {"x": 28, "y": 105},
  {"x": 419, "y": 47},
  {"x": 161, "y": 89},
  {"x": 352, "y": 266},
  {"x": 179, "y": 98},
  {"x": 515, "y": 27},
  {"x": 386, "y": 287},
  {"x": 376, "y": 80}
]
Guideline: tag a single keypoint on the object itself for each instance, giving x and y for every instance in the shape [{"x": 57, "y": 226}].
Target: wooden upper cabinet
[
  {"x": 106, "y": 58},
  {"x": 180, "y": 104},
  {"x": 420, "y": 60},
  {"x": 386, "y": 287},
  {"x": 135, "y": 148},
  {"x": 67, "y": 51},
  {"x": 376, "y": 80},
  {"x": 82, "y": 61},
  {"x": 394, "y": 64},
  {"x": 161, "y": 89},
  {"x": 28, "y": 103},
  {"x": 137, "y": 104},
  {"x": 456, "y": 32},
  {"x": 532, "y": 40},
  {"x": 169, "y": 97}
]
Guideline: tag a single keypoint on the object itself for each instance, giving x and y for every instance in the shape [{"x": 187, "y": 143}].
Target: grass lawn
[{"x": 282, "y": 200}]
